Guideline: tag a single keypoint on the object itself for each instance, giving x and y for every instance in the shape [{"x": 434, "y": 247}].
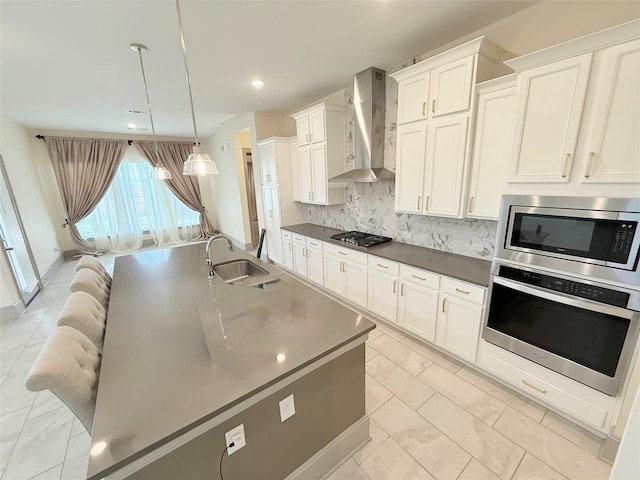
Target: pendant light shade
[
  {"x": 198, "y": 163},
  {"x": 160, "y": 171}
]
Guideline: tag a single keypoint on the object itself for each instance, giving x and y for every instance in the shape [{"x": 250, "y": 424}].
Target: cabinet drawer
[
  {"x": 463, "y": 290},
  {"x": 384, "y": 265},
  {"x": 299, "y": 238},
  {"x": 419, "y": 277},
  {"x": 286, "y": 235},
  {"x": 346, "y": 253},
  {"x": 314, "y": 244},
  {"x": 576, "y": 399}
]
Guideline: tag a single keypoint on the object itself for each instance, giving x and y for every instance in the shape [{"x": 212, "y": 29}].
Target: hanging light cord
[
  {"x": 146, "y": 91},
  {"x": 186, "y": 69}
]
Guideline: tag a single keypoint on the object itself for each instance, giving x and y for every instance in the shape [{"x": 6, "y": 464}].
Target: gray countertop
[
  {"x": 180, "y": 349},
  {"x": 468, "y": 269}
]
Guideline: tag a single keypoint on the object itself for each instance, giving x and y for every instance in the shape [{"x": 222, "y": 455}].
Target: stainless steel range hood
[{"x": 369, "y": 97}]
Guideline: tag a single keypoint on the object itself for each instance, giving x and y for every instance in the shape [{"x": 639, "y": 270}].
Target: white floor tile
[
  {"x": 475, "y": 401},
  {"x": 10, "y": 427},
  {"x": 375, "y": 394},
  {"x": 436, "y": 357},
  {"x": 391, "y": 462},
  {"x": 572, "y": 432},
  {"x": 411, "y": 361},
  {"x": 45, "y": 436},
  {"x": 378, "y": 436},
  {"x": 77, "y": 458},
  {"x": 45, "y": 402},
  {"x": 532, "y": 469},
  {"x": 14, "y": 396},
  {"x": 398, "y": 381},
  {"x": 349, "y": 470},
  {"x": 476, "y": 471},
  {"x": 51, "y": 474}
]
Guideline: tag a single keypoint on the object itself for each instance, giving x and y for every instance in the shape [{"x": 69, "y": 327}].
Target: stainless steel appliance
[
  {"x": 360, "y": 239},
  {"x": 565, "y": 287}
]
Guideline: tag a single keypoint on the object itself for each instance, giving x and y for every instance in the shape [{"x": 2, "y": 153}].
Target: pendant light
[
  {"x": 160, "y": 170},
  {"x": 198, "y": 163}
]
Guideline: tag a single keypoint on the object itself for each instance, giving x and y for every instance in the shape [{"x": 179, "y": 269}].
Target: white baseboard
[
  {"x": 10, "y": 313},
  {"x": 332, "y": 455}
]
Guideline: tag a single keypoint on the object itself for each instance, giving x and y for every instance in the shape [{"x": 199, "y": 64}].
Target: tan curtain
[
  {"x": 84, "y": 169},
  {"x": 173, "y": 155}
]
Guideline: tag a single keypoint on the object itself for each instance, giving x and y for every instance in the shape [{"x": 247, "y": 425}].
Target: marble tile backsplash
[{"x": 370, "y": 207}]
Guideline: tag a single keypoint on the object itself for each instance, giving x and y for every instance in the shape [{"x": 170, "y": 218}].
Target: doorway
[
  {"x": 251, "y": 195},
  {"x": 14, "y": 242}
]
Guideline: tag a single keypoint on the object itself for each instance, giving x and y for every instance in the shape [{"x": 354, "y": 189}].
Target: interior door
[{"x": 15, "y": 244}]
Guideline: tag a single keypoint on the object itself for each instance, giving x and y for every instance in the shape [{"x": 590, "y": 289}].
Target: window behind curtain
[{"x": 137, "y": 203}]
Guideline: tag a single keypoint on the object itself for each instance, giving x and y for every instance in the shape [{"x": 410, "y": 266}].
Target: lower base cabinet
[
  {"x": 287, "y": 250},
  {"x": 345, "y": 273},
  {"x": 459, "y": 318},
  {"x": 418, "y": 302}
]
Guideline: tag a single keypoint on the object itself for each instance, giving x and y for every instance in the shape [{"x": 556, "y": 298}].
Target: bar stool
[
  {"x": 68, "y": 366},
  {"x": 88, "y": 281},
  {"x": 90, "y": 262},
  {"x": 84, "y": 313}
]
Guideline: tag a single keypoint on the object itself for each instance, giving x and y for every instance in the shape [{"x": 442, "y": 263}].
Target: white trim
[
  {"x": 588, "y": 43},
  {"x": 10, "y": 313},
  {"x": 195, "y": 432}
]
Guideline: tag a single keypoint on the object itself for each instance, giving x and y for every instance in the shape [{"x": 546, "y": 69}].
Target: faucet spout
[{"x": 208, "y": 250}]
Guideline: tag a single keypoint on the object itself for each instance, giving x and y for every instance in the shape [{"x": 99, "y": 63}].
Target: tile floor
[{"x": 431, "y": 417}]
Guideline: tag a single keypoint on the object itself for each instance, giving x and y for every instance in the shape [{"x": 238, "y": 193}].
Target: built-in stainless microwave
[{"x": 595, "y": 237}]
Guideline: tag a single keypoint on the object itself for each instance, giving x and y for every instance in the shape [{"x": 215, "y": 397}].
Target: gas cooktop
[{"x": 360, "y": 239}]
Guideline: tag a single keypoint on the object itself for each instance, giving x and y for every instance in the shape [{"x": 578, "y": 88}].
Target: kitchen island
[{"x": 187, "y": 359}]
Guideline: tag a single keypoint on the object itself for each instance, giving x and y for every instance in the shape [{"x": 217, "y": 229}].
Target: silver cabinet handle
[
  {"x": 466, "y": 292},
  {"x": 471, "y": 204},
  {"x": 587, "y": 172},
  {"x": 565, "y": 162},
  {"x": 402, "y": 289},
  {"x": 395, "y": 283},
  {"x": 417, "y": 277},
  {"x": 424, "y": 109},
  {"x": 541, "y": 390},
  {"x": 341, "y": 253},
  {"x": 433, "y": 106},
  {"x": 382, "y": 266},
  {"x": 426, "y": 205},
  {"x": 419, "y": 202},
  {"x": 444, "y": 304}
]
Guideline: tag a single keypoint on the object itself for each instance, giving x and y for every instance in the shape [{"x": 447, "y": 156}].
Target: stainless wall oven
[{"x": 565, "y": 287}]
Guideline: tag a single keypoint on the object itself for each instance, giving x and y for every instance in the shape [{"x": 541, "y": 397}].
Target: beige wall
[
  {"x": 33, "y": 205},
  {"x": 225, "y": 195}
]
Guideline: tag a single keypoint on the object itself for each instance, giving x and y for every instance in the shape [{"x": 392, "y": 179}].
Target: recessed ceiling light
[
  {"x": 132, "y": 126},
  {"x": 257, "y": 83}
]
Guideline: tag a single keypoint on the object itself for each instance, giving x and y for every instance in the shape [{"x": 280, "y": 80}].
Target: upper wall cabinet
[
  {"x": 495, "y": 108},
  {"x": 434, "y": 111},
  {"x": 321, "y": 154},
  {"x": 577, "y": 114}
]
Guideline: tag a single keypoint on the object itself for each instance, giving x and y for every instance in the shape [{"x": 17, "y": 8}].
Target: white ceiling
[{"x": 67, "y": 65}]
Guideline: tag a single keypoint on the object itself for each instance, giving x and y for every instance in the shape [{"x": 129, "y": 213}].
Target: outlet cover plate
[
  {"x": 287, "y": 408},
  {"x": 235, "y": 435}
]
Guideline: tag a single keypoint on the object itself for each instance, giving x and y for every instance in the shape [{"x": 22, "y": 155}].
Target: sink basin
[{"x": 242, "y": 272}]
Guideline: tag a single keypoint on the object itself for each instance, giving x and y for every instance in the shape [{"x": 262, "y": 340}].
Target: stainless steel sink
[{"x": 243, "y": 272}]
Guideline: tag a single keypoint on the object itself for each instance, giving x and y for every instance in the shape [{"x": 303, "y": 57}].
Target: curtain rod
[{"x": 130, "y": 142}]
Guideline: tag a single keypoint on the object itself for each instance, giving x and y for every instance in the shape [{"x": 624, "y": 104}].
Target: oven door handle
[{"x": 565, "y": 299}]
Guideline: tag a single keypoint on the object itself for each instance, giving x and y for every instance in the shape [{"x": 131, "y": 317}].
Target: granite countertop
[
  {"x": 460, "y": 267},
  {"x": 181, "y": 348}
]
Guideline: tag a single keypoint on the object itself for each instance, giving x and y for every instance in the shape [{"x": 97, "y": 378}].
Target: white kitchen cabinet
[
  {"x": 445, "y": 166},
  {"x": 382, "y": 298},
  {"x": 443, "y": 84},
  {"x": 287, "y": 250},
  {"x": 495, "y": 109},
  {"x": 410, "y": 165},
  {"x": 321, "y": 148},
  {"x": 300, "y": 254},
  {"x": 310, "y": 126},
  {"x": 418, "y": 302},
  {"x": 274, "y": 155},
  {"x": 273, "y": 222},
  {"x": 451, "y": 86},
  {"x": 432, "y": 154},
  {"x": 430, "y": 174},
  {"x": 459, "y": 318},
  {"x": 613, "y": 143},
  {"x": 550, "y": 101},
  {"x": 296, "y": 182},
  {"x": 345, "y": 273},
  {"x": 315, "y": 263}
]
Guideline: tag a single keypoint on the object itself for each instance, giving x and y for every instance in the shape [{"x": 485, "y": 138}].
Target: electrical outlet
[
  {"x": 287, "y": 408},
  {"x": 236, "y": 436},
  {"x": 477, "y": 247}
]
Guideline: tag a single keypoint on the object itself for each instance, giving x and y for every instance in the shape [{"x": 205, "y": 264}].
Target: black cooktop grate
[{"x": 360, "y": 239}]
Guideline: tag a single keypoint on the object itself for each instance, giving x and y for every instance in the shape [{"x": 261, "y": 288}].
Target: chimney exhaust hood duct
[{"x": 369, "y": 98}]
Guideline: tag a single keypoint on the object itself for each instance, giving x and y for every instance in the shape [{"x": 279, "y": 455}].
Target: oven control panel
[{"x": 570, "y": 287}]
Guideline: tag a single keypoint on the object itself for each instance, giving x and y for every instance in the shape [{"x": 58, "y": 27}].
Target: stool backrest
[
  {"x": 88, "y": 281},
  {"x": 68, "y": 366},
  {"x": 84, "y": 313},
  {"x": 90, "y": 262}
]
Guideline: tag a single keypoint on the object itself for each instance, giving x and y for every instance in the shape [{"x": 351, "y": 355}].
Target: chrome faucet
[{"x": 208, "y": 250}]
